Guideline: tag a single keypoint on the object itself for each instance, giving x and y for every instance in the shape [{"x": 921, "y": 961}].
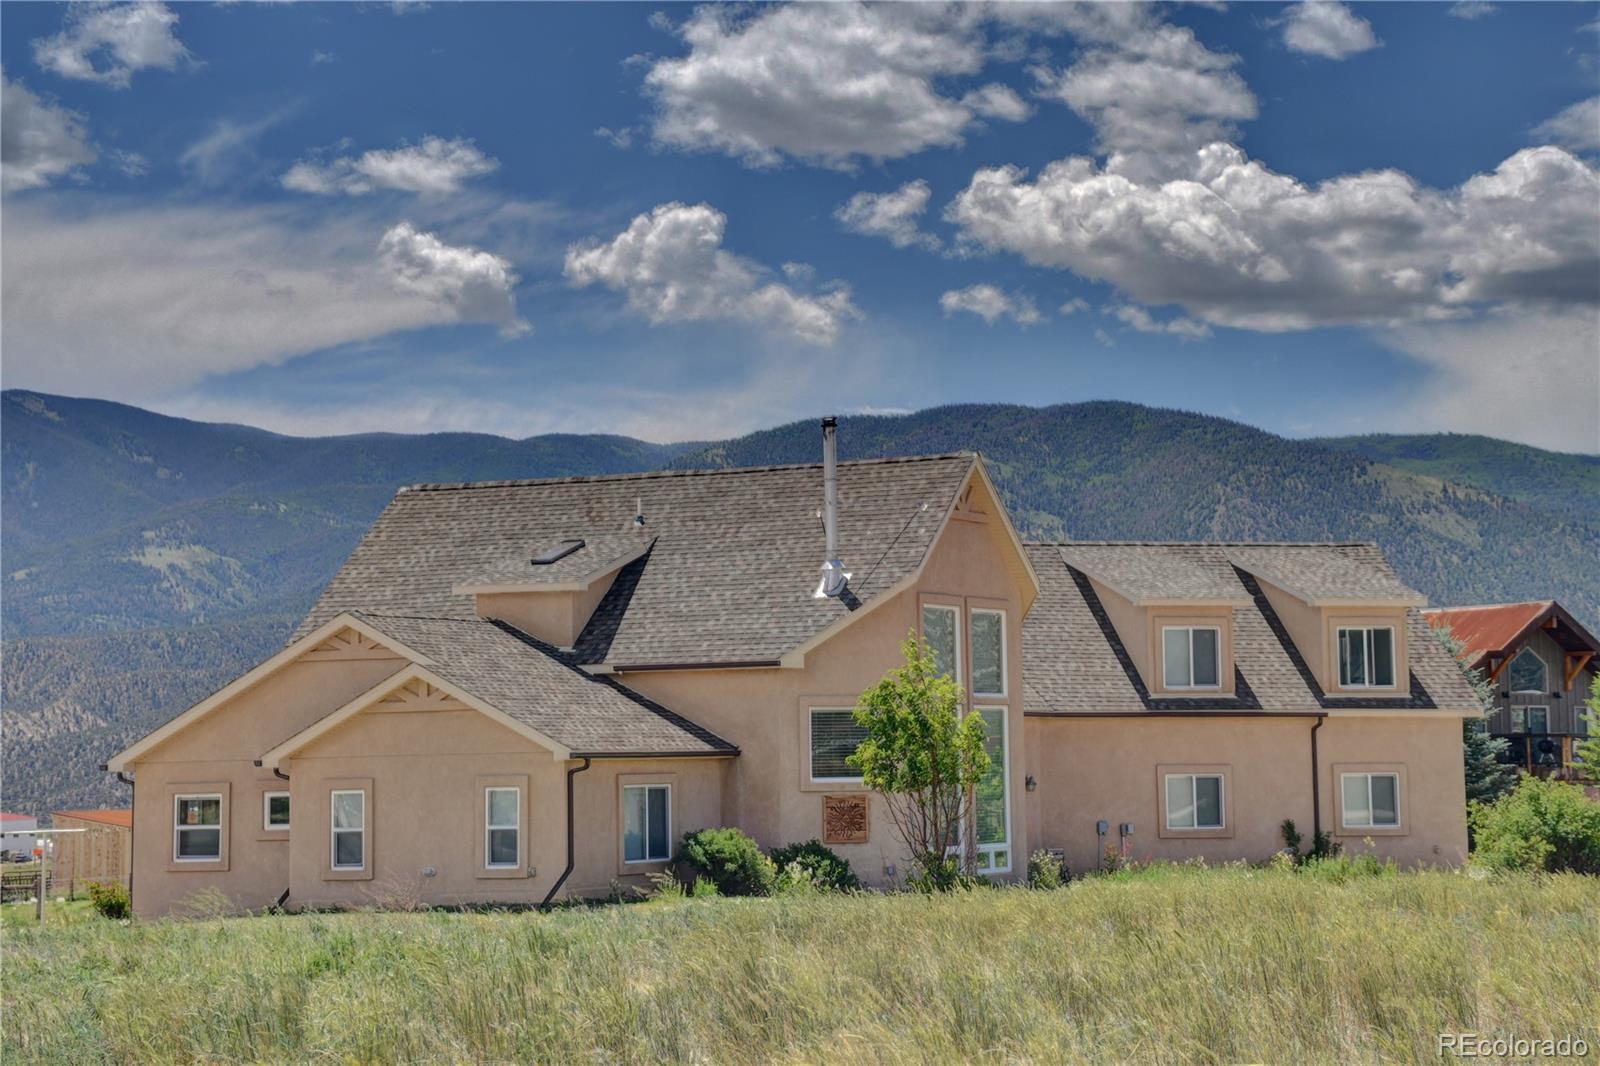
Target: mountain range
[{"x": 147, "y": 559}]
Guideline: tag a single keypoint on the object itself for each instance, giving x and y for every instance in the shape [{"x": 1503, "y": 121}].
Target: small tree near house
[
  {"x": 924, "y": 757},
  {"x": 1487, "y": 777},
  {"x": 1588, "y": 749}
]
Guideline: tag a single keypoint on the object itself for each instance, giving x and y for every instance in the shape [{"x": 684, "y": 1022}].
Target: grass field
[{"x": 1171, "y": 965}]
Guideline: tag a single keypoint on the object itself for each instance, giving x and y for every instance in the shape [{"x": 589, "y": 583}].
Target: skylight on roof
[{"x": 559, "y": 551}]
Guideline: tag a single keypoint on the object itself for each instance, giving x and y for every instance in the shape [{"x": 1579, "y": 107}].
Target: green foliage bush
[
  {"x": 110, "y": 899},
  {"x": 730, "y": 860},
  {"x": 1539, "y": 825},
  {"x": 825, "y": 868},
  {"x": 1046, "y": 871}
]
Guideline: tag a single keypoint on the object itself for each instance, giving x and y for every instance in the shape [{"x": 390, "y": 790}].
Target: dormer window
[
  {"x": 1527, "y": 672},
  {"x": 1191, "y": 657},
  {"x": 1366, "y": 657}
]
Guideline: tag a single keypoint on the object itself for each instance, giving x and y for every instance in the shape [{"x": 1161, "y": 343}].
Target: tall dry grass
[{"x": 1175, "y": 965}]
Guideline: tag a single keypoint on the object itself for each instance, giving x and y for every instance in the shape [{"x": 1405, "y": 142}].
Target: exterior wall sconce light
[{"x": 1030, "y": 783}]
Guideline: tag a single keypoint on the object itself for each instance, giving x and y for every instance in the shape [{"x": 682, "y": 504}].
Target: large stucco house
[{"x": 521, "y": 691}]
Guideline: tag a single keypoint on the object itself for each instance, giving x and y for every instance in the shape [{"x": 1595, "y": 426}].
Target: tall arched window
[{"x": 1527, "y": 672}]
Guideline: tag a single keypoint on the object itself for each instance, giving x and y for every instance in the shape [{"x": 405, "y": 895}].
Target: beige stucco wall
[
  {"x": 217, "y": 753},
  {"x": 1089, "y": 769},
  {"x": 764, "y": 711},
  {"x": 557, "y": 617},
  {"x": 425, "y": 773}
]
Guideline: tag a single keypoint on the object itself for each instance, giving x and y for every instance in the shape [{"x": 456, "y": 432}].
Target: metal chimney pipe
[{"x": 834, "y": 578}]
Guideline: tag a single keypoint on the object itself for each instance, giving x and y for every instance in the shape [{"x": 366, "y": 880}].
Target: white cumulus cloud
[
  {"x": 1238, "y": 244},
  {"x": 477, "y": 286},
  {"x": 892, "y": 215},
  {"x": 1577, "y": 127},
  {"x": 1472, "y": 10},
  {"x": 1142, "y": 321},
  {"x": 671, "y": 265},
  {"x": 110, "y": 42},
  {"x": 824, "y": 83},
  {"x": 991, "y": 304},
  {"x": 39, "y": 141},
  {"x": 436, "y": 166},
  {"x": 1327, "y": 28}
]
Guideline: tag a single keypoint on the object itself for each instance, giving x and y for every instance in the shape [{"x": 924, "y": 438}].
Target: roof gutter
[
  {"x": 734, "y": 664},
  {"x": 726, "y": 753},
  {"x": 571, "y": 853}
]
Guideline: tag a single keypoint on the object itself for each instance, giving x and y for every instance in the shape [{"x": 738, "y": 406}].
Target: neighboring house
[
  {"x": 102, "y": 852},
  {"x": 17, "y": 833},
  {"x": 527, "y": 690},
  {"x": 1540, "y": 663}
]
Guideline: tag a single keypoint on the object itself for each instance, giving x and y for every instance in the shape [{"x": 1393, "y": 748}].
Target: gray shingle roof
[
  {"x": 1074, "y": 660},
  {"x": 729, "y": 578},
  {"x": 1321, "y": 572},
  {"x": 545, "y": 689},
  {"x": 601, "y": 552},
  {"x": 1145, "y": 572}
]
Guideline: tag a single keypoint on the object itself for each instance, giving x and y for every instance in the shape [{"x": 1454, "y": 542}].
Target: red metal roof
[
  {"x": 1490, "y": 628},
  {"x": 122, "y": 816}
]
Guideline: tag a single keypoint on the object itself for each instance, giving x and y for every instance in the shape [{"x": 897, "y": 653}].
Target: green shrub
[
  {"x": 729, "y": 859},
  {"x": 1539, "y": 825},
  {"x": 110, "y": 899},
  {"x": 1342, "y": 868},
  {"x": 1046, "y": 871},
  {"x": 1323, "y": 846},
  {"x": 825, "y": 868}
]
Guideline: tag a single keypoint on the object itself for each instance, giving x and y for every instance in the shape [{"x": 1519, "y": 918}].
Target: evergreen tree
[
  {"x": 1487, "y": 777},
  {"x": 1588, "y": 751}
]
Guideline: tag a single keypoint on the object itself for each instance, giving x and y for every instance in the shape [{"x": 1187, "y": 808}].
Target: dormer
[
  {"x": 1172, "y": 607},
  {"x": 1344, "y": 610},
  {"x": 552, "y": 591}
]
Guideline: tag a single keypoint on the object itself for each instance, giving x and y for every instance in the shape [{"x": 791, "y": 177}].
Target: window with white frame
[
  {"x": 1371, "y": 801},
  {"x": 1366, "y": 657},
  {"x": 275, "y": 811},
  {"x": 992, "y": 810},
  {"x": 646, "y": 823},
  {"x": 988, "y": 631},
  {"x": 197, "y": 828},
  {"x": 1519, "y": 719},
  {"x": 1191, "y": 657},
  {"x": 349, "y": 845},
  {"x": 835, "y": 735},
  {"x": 1527, "y": 672},
  {"x": 502, "y": 824},
  {"x": 941, "y": 628},
  {"x": 1538, "y": 719},
  {"x": 1194, "y": 801}
]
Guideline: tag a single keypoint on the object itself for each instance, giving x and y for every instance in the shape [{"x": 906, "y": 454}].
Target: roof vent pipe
[{"x": 834, "y": 579}]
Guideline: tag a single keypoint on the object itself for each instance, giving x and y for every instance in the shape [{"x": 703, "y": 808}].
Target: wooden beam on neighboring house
[
  {"x": 1576, "y": 661},
  {"x": 1494, "y": 671}
]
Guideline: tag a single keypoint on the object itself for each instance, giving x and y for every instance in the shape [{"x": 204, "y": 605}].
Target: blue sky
[{"x": 681, "y": 222}]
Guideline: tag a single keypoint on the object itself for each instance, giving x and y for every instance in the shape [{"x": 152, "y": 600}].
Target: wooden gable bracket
[
  {"x": 1494, "y": 671},
  {"x": 418, "y": 695},
  {"x": 348, "y": 644},
  {"x": 1576, "y": 661}
]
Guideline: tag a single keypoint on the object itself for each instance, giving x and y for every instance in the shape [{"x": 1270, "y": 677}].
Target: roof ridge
[
  {"x": 648, "y": 475},
  {"x": 1491, "y": 606},
  {"x": 1200, "y": 544}
]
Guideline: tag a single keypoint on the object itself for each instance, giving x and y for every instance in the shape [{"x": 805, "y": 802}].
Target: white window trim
[
  {"x": 1194, "y": 804},
  {"x": 955, "y": 613},
  {"x": 1394, "y": 656},
  {"x": 266, "y": 811},
  {"x": 1344, "y": 783},
  {"x": 1527, "y": 711},
  {"x": 1518, "y": 718},
  {"x": 178, "y": 827},
  {"x": 489, "y": 826},
  {"x": 646, "y": 786},
  {"x": 334, "y": 831},
  {"x": 1542, "y": 665},
  {"x": 1004, "y": 654},
  {"x": 811, "y": 747},
  {"x": 1009, "y": 847},
  {"x": 1166, "y": 682}
]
